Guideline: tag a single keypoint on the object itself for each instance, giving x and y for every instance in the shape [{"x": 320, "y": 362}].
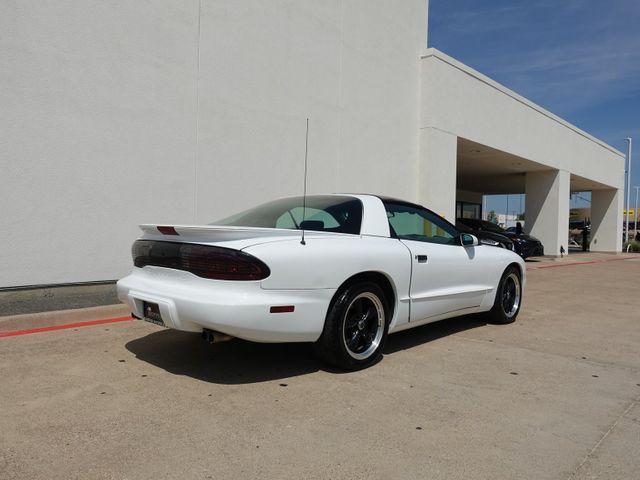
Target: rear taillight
[
  {"x": 167, "y": 230},
  {"x": 202, "y": 260}
]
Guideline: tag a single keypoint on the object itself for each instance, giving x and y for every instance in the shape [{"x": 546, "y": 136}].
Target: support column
[
  {"x": 547, "y": 209},
  {"x": 606, "y": 220},
  {"x": 437, "y": 172}
]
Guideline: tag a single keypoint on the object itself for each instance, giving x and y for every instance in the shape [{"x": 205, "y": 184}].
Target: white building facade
[{"x": 121, "y": 113}]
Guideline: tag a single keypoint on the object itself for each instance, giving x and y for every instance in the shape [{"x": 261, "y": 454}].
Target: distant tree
[
  {"x": 492, "y": 217},
  {"x": 520, "y": 216}
]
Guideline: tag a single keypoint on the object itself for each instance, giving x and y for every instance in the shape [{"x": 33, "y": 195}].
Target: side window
[{"x": 411, "y": 223}]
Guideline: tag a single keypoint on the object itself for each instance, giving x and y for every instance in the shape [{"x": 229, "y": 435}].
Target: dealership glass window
[{"x": 468, "y": 210}]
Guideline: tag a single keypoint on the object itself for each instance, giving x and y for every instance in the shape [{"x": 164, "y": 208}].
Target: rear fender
[{"x": 326, "y": 263}]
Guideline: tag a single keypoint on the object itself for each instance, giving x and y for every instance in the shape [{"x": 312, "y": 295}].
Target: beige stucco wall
[{"x": 120, "y": 113}]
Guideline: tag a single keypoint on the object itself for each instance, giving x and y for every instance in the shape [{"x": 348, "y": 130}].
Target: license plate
[{"x": 151, "y": 313}]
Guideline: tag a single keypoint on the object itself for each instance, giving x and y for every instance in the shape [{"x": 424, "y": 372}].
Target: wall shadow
[{"x": 240, "y": 362}]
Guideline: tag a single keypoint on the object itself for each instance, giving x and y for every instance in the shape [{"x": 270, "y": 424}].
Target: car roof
[
  {"x": 371, "y": 228},
  {"x": 385, "y": 198}
]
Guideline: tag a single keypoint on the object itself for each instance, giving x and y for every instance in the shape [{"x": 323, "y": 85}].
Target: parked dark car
[
  {"x": 523, "y": 244},
  {"x": 487, "y": 238}
]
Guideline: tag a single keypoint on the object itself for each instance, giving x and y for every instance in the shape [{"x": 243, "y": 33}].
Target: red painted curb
[
  {"x": 28, "y": 331},
  {"x": 589, "y": 262}
]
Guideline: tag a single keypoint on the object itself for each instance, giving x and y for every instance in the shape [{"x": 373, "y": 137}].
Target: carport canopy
[
  {"x": 479, "y": 136},
  {"x": 483, "y": 170}
]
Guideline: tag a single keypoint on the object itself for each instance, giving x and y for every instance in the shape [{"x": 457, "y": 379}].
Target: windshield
[{"x": 322, "y": 213}]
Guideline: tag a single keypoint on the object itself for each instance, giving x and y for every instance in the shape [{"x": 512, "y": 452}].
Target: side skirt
[{"x": 441, "y": 316}]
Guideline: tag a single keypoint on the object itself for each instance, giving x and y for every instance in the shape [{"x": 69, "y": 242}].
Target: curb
[
  {"x": 585, "y": 262},
  {"x": 61, "y": 317},
  {"x": 75, "y": 326}
]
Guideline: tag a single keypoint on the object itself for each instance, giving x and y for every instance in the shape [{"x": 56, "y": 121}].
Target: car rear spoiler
[{"x": 216, "y": 233}]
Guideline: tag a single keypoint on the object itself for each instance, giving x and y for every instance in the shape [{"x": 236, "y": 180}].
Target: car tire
[
  {"x": 356, "y": 327},
  {"x": 508, "y": 297}
]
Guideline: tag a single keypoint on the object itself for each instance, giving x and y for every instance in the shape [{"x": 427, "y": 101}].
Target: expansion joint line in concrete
[{"x": 611, "y": 428}]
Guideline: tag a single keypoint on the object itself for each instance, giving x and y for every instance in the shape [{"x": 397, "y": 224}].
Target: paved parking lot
[{"x": 554, "y": 396}]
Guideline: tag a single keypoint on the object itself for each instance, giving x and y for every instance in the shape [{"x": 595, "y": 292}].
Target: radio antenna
[{"x": 304, "y": 194}]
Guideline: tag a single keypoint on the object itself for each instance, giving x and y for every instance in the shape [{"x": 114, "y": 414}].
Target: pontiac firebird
[{"x": 342, "y": 271}]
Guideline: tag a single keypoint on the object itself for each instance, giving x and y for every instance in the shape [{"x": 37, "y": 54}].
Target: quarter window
[
  {"x": 294, "y": 217},
  {"x": 325, "y": 213}
]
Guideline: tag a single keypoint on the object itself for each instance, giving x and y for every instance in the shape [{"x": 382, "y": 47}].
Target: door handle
[{"x": 422, "y": 258}]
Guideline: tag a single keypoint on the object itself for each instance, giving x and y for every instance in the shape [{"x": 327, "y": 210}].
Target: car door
[{"x": 445, "y": 276}]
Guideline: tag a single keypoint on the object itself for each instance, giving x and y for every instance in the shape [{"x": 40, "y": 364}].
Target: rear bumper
[{"x": 239, "y": 309}]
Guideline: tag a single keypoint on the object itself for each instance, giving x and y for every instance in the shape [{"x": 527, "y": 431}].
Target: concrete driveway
[{"x": 554, "y": 396}]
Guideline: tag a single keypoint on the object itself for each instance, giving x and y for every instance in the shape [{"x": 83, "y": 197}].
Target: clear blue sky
[{"x": 580, "y": 59}]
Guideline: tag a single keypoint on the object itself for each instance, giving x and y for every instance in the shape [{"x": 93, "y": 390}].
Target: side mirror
[{"x": 468, "y": 240}]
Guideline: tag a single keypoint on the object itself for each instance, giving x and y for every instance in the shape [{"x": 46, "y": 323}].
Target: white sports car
[{"x": 342, "y": 271}]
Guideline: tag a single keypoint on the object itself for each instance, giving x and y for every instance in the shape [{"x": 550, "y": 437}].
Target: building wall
[
  {"x": 437, "y": 172},
  {"x": 120, "y": 113},
  {"x": 459, "y": 100}
]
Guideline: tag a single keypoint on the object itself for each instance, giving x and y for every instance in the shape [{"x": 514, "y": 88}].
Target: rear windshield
[{"x": 322, "y": 213}]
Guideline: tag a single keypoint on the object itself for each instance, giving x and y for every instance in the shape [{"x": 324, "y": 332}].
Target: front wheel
[
  {"x": 508, "y": 297},
  {"x": 356, "y": 327}
]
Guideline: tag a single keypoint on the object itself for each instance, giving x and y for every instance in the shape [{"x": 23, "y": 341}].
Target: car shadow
[
  {"x": 233, "y": 362},
  {"x": 431, "y": 332},
  {"x": 240, "y": 362}
]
